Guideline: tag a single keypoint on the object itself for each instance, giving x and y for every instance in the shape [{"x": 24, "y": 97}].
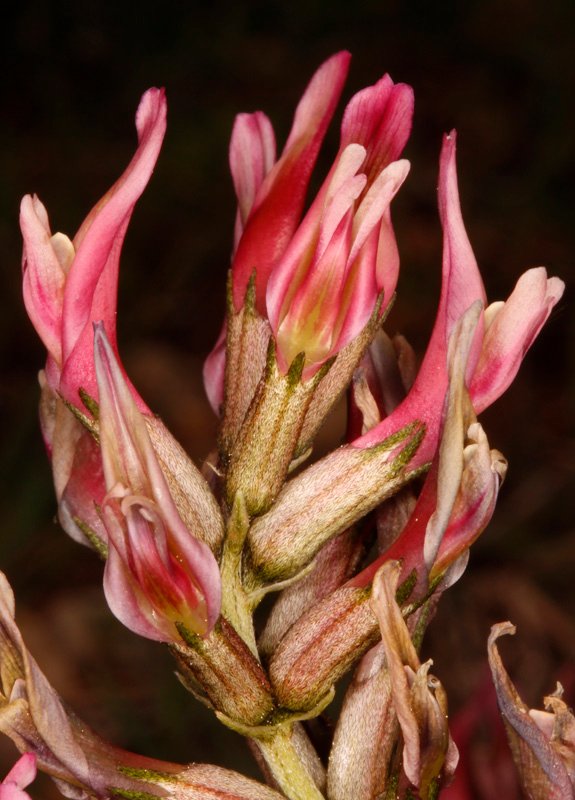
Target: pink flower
[
  {"x": 158, "y": 573},
  {"x": 21, "y": 775},
  {"x": 318, "y": 281},
  {"x": 325, "y": 288},
  {"x": 505, "y": 331},
  {"x": 67, "y": 285},
  {"x": 471, "y": 359},
  {"x": 343, "y": 256},
  {"x": 460, "y": 491}
]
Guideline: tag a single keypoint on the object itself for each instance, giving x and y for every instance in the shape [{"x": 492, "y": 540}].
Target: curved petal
[
  {"x": 461, "y": 287},
  {"x": 90, "y": 291},
  {"x": 379, "y": 117},
  {"x": 512, "y": 331},
  {"x": 315, "y": 232},
  {"x": 214, "y": 372},
  {"x": 46, "y": 260},
  {"x": 23, "y": 772}
]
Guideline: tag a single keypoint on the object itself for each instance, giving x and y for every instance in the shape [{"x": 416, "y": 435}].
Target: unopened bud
[
  {"x": 227, "y": 672},
  {"x": 321, "y": 647},
  {"x": 265, "y": 445},
  {"x": 327, "y": 498},
  {"x": 366, "y": 733},
  {"x": 335, "y": 563},
  {"x": 246, "y": 345}
]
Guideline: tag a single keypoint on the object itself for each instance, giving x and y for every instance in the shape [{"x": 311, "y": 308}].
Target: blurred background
[{"x": 501, "y": 73}]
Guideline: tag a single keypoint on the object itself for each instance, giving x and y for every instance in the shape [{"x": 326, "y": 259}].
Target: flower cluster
[{"x": 360, "y": 544}]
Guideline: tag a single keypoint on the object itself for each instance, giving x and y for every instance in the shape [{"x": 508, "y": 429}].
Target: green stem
[
  {"x": 287, "y": 766},
  {"x": 236, "y": 607}
]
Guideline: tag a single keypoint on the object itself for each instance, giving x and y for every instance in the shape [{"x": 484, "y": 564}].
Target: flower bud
[
  {"x": 325, "y": 499},
  {"x": 321, "y": 646},
  {"x": 227, "y": 672},
  {"x": 360, "y": 760},
  {"x": 263, "y": 450}
]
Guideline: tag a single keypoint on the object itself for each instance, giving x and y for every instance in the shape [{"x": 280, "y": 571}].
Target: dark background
[{"x": 72, "y": 74}]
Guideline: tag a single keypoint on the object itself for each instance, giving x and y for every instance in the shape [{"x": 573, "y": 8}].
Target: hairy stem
[{"x": 287, "y": 765}]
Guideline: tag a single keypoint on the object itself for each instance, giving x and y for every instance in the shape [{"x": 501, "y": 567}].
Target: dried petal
[{"x": 544, "y": 761}]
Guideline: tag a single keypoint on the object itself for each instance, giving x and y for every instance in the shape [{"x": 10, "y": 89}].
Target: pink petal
[
  {"x": 377, "y": 201},
  {"x": 214, "y": 372},
  {"x": 279, "y": 202},
  {"x": 358, "y": 299},
  {"x": 23, "y": 772},
  {"x": 84, "y": 491},
  {"x": 43, "y": 276},
  {"x": 309, "y": 324},
  {"x": 379, "y": 117},
  {"x": 372, "y": 233},
  {"x": 387, "y": 270},
  {"x": 252, "y": 155},
  {"x": 338, "y": 193},
  {"x": 90, "y": 292},
  {"x": 511, "y": 334},
  {"x": 125, "y": 602}
]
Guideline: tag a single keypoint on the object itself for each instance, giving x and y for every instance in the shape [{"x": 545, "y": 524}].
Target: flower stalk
[{"x": 287, "y": 768}]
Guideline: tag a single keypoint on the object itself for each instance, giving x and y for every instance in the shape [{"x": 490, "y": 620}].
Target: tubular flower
[
  {"x": 271, "y": 194},
  {"x": 325, "y": 288},
  {"x": 459, "y": 494},
  {"x": 317, "y": 281},
  {"x": 67, "y": 285},
  {"x": 504, "y": 333},
  {"x": 158, "y": 574}
]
